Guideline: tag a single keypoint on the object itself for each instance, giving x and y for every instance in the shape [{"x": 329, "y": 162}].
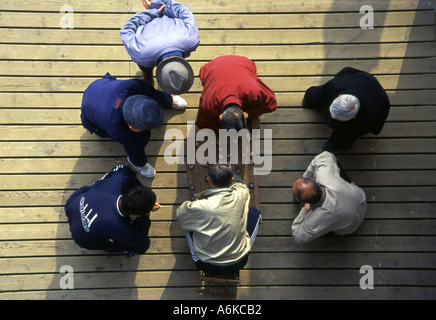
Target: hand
[
  {"x": 156, "y": 207},
  {"x": 147, "y": 4},
  {"x": 254, "y": 123}
]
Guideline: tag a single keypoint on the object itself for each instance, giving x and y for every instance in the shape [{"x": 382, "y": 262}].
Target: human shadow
[
  {"x": 89, "y": 274},
  {"x": 96, "y": 274}
]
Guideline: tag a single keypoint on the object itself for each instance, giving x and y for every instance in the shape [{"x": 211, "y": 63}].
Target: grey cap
[
  {"x": 142, "y": 112},
  {"x": 174, "y": 75}
]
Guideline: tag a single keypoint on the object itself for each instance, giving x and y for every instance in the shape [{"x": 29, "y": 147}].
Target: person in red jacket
[{"x": 233, "y": 96}]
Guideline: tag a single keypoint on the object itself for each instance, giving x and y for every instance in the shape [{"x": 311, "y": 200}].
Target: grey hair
[{"x": 345, "y": 107}]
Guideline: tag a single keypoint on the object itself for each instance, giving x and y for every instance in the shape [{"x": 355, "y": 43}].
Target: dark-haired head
[
  {"x": 138, "y": 201},
  {"x": 221, "y": 175},
  {"x": 307, "y": 191},
  {"x": 233, "y": 117}
]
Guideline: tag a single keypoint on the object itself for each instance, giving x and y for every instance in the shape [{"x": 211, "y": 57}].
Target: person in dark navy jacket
[
  {"x": 357, "y": 103},
  {"x": 126, "y": 111},
  {"x": 100, "y": 215}
]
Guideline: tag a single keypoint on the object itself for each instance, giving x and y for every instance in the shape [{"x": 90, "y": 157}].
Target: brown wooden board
[{"x": 197, "y": 175}]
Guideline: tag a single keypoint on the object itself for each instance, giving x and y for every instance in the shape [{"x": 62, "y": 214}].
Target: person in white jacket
[
  {"x": 330, "y": 203},
  {"x": 219, "y": 225}
]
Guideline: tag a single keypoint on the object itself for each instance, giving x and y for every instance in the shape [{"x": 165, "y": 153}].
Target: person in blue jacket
[
  {"x": 100, "y": 215},
  {"x": 125, "y": 111},
  {"x": 163, "y": 35}
]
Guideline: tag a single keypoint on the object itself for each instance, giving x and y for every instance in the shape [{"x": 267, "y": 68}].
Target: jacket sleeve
[
  {"x": 165, "y": 100},
  {"x": 132, "y": 238},
  {"x": 318, "y": 97},
  {"x": 208, "y": 119},
  {"x": 72, "y": 203},
  {"x": 264, "y": 101},
  {"x": 301, "y": 232},
  {"x": 130, "y": 30},
  {"x": 325, "y": 161},
  {"x": 347, "y": 70},
  {"x": 269, "y": 100},
  {"x": 186, "y": 215},
  {"x": 176, "y": 10}
]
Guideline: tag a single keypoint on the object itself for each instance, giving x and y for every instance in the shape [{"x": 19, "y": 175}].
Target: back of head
[
  {"x": 142, "y": 112},
  {"x": 233, "y": 118},
  {"x": 138, "y": 201},
  {"x": 221, "y": 175},
  {"x": 306, "y": 191},
  {"x": 174, "y": 75},
  {"x": 345, "y": 107}
]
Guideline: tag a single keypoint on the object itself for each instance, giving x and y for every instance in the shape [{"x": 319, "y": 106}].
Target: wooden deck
[{"x": 45, "y": 154}]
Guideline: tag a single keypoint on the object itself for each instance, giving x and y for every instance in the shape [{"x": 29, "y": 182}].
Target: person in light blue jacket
[{"x": 163, "y": 36}]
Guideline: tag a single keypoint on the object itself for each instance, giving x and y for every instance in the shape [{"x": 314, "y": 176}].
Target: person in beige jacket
[
  {"x": 219, "y": 225},
  {"x": 330, "y": 202}
]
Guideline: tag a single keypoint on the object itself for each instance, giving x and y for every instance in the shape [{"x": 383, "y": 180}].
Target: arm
[
  {"x": 132, "y": 238},
  {"x": 346, "y": 70},
  {"x": 130, "y": 30},
  {"x": 186, "y": 216},
  {"x": 173, "y": 9},
  {"x": 207, "y": 119},
  {"x": 165, "y": 100},
  {"x": 322, "y": 162},
  {"x": 317, "y": 97},
  {"x": 301, "y": 232}
]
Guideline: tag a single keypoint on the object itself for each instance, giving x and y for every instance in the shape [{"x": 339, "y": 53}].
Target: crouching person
[
  {"x": 100, "y": 216},
  {"x": 219, "y": 225},
  {"x": 330, "y": 201}
]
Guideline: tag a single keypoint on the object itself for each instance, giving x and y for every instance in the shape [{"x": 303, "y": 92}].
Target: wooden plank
[
  {"x": 264, "y": 68},
  {"x": 284, "y": 115},
  {"x": 243, "y": 293},
  {"x": 52, "y": 231},
  {"x": 76, "y": 165},
  {"x": 363, "y": 146},
  {"x": 79, "y": 84},
  {"x": 240, "y": 37},
  {"x": 169, "y": 180},
  {"x": 286, "y": 293},
  {"x": 190, "y": 278},
  {"x": 281, "y": 211},
  {"x": 363, "y": 179},
  {"x": 199, "y": 6},
  {"x": 373, "y": 194},
  {"x": 102, "y": 294},
  {"x": 42, "y": 51},
  {"x": 284, "y": 99},
  {"x": 387, "y": 163},
  {"x": 45, "y": 182},
  {"x": 59, "y": 197},
  {"x": 225, "y": 21},
  {"x": 112, "y": 149},
  {"x": 279, "y": 131},
  {"x": 38, "y": 248},
  {"x": 386, "y": 260}
]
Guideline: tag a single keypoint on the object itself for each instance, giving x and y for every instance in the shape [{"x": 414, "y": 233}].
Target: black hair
[
  {"x": 311, "y": 196},
  {"x": 138, "y": 201},
  {"x": 221, "y": 175},
  {"x": 233, "y": 117}
]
